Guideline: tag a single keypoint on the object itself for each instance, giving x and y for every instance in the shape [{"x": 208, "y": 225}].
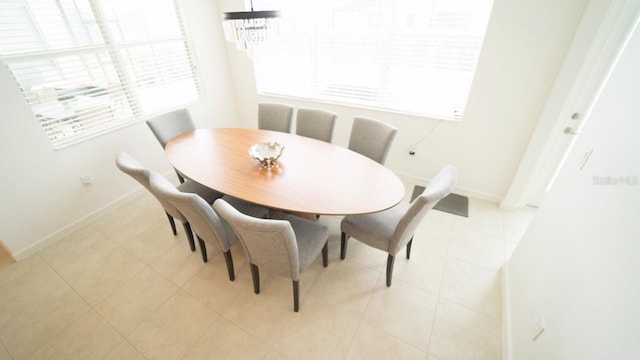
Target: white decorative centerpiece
[{"x": 267, "y": 153}]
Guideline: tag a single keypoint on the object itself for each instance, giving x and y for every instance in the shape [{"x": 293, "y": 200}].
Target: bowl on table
[{"x": 267, "y": 153}]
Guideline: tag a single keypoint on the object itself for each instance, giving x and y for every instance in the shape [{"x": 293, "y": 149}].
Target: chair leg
[
  {"x": 229, "y": 260},
  {"x": 409, "y": 247},
  {"x": 296, "y": 295},
  {"x": 172, "y": 223},
  {"x": 343, "y": 246},
  {"x": 180, "y": 177},
  {"x": 390, "y": 260},
  {"x": 203, "y": 249},
  {"x": 325, "y": 254},
  {"x": 189, "y": 232},
  {"x": 255, "y": 275}
]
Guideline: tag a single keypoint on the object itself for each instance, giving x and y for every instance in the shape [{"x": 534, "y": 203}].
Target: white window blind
[
  {"x": 87, "y": 67},
  {"x": 411, "y": 56}
]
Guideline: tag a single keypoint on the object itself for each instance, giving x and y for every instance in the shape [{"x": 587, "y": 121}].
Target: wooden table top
[{"x": 312, "y": 176}]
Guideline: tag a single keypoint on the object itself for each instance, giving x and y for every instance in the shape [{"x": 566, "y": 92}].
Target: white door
[{"x": 601, "y": 34}]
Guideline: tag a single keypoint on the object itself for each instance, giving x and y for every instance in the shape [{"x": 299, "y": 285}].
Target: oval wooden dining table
[{"x": 311, "y": 176}]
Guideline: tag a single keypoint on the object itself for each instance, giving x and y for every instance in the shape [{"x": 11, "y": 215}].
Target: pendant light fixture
[{"x": 249, "y": 29}]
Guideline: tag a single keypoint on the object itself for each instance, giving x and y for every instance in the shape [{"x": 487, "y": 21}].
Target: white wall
[
  {"x": 41, "y": 196},
  {"x": 577, "y": 265},
  {"x": 525, "y": 45}
]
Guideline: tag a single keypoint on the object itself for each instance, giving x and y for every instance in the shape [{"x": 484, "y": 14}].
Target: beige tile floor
[{"x": 124, "y": 287}]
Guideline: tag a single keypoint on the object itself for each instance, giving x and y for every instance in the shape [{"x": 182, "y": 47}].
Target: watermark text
[{"x": 630, "y": 180}]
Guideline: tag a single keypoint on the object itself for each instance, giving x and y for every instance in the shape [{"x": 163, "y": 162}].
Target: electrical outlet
[
  {"x": 539, "y": 328},
  {"x": 86, "y": 180}
]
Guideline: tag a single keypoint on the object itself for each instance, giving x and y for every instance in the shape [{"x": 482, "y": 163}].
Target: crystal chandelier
[{"x": 249, "y": 29}]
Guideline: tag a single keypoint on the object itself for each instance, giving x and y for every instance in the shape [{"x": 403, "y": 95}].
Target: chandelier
[{"x": 250, "y": 29}]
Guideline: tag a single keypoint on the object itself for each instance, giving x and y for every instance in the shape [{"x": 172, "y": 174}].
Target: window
[
  {"x": 87, "y": 67},
  {"x": 410, "y": 56}
]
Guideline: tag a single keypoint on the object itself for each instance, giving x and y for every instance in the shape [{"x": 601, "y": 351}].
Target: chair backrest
[
  {"x": 167, "y": 126},
  {"x": 315, "y": 123},
  {"x": 275, "y": 117},
  {"x": 269, "y": 244},
  {"x": 130, "y": 166},
  {"x": 372, "y": 138},
  {"x": 204, "y": 222},
  {"x": 439, "y": 187}
]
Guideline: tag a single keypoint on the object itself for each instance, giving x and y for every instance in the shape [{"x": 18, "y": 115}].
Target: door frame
[{"x": 599, "y": 37}]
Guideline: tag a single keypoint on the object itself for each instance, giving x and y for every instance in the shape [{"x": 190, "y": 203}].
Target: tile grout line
[
  {"x": 74, "y": 321},
  {"x": 435, "y": 313},
  {"x": 125, "y": 283},
  {"x": 484, "y": 267},
  {"x": 206, "y": 306},
  {"x": 201, "y": 335},
  {"x": 497, "y": 271},
  {"x": 433, "y": 325},
  {"x": 360, "y": 321},
  {"x": 470, "y": 309},
  {"x": 5, "y": 349},
  {"x": 438, "y": 296},
  {"x": 94, "y": 307}
]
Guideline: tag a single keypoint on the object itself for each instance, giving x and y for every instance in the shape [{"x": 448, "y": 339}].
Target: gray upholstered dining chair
[
  {"x": 275, "y": 117},
  {"x": 167, "y": 126},
  {"x": 283, "y": 245},
  {"x": 372, "y": 138},
  {"x": 392, "y": 229},
  {"x": 130, "y": 166},
  {"x": 315, "y": 123},
  {"x": 204, "y": 221}
]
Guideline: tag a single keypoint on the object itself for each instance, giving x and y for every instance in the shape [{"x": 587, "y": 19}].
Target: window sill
[{"x": 363, "y": 107}]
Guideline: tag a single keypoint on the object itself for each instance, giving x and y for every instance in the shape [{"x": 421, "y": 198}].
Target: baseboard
[
  {"x": 506, "y": 315},
  {"x": 461, "y": 190},
  {"x": 4, "y": 251},
  {"x": 70, "y": 228}
]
